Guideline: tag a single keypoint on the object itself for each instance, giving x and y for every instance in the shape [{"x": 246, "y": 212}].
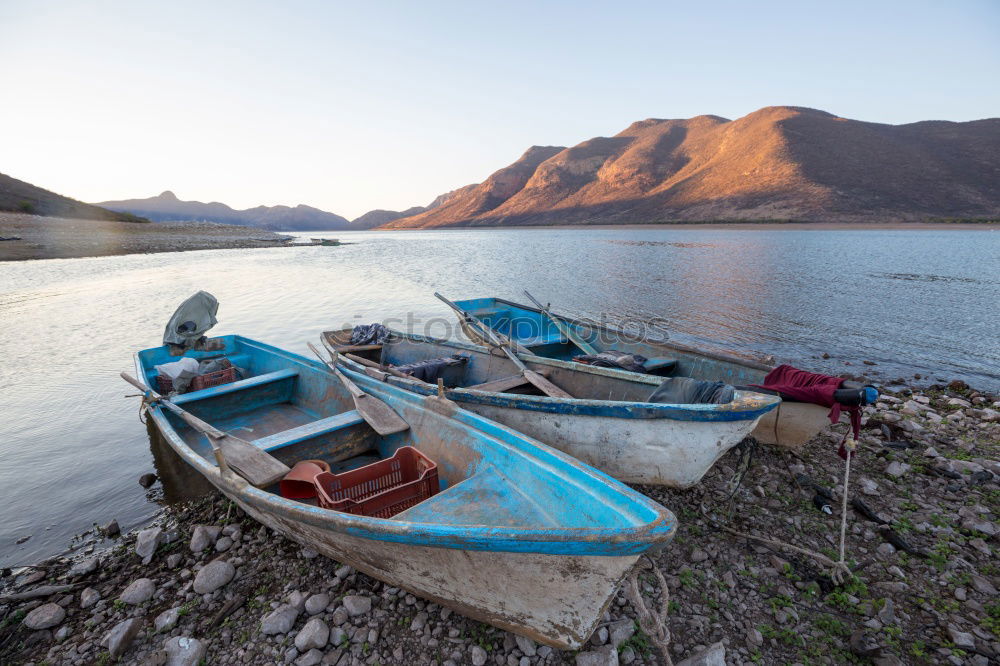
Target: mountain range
[
  {"x": 778, "y": 163},
  {"x": 167, "y": 207}
]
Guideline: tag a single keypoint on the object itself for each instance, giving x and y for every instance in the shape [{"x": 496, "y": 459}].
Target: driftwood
[
  {"x": 227, "y": 610},
  {"x": 43, "y": 591}
]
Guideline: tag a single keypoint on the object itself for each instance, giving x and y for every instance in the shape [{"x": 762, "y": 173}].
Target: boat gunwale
[
  {"x": 591, "y": 541},
  {"x": 747, "y": 406}
]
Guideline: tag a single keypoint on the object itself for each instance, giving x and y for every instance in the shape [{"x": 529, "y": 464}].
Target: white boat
[{"x": 608, "y": 423}]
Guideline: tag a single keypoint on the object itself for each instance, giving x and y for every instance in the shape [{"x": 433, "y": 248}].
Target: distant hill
[
  {"x": 778, "y": 163},
  {"x": 377, "y": 217},
  {"x": 167, "y": 207},
  {"x": 21, "y": 197}
]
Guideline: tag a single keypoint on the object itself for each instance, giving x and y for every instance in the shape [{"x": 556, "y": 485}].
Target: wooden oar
[
  {"x": 563, "y": 328},
  {"x": 375, "y": 412},
  {"x": 543, "y": 384},
  {"x": 231, "y": 453}
]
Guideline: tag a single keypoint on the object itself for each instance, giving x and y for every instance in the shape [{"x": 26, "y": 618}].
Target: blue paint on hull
[{"x": 501, "y": 491}]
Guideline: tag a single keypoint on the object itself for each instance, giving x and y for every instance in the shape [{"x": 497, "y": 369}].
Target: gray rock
[
  {"x": 960, "y": 638},
  {"x": 315, "y": 634},
  {"x": 146, "y": 543},
  {"x": 887, "y": 614},
  {"x": 309, "y": 554},
  {"x": 280, "y": 620},
  {"x": 713, "y": 655},
  {"x": 184, "y": 651},
  {"x": 63, "y": 633},
  {"x": 213, "y": 575},
  {"x": 337, "y": 636},
  {"x": 112, "y": 529},
  {"x": 478, "y": 656},
  {"x": 698, "y": 555},
  {"x": 868, "y": 487},
  {"x": 203, "y": 536},
  {"x": 603, "y": 656},
  {"x": 357, "y": 605},
  {"x": 896, "y": 469},
  {"x": 419, "y": 622},
  {"x": 83, "y": 567},
  {"x": 174, "y": 560},
  {"x": 620, "y": 631},
  {"x": 121, "y": 636},
  {"x": 525, "y": 645},
  {"x": 147, "y": 480},
  {"x": 138, "y": 592},
  {"x": 983, "y": 586},
  {"x": 167, "y": 620},
  {"x": 754, "y": 637},
  {"x": 317, "y": 603},
  {"x": 343, "y": 572},
  {"x": 45, "y": 616},
  {"x": 310, "y": 658},
  {"x": 223, "y": 544},
  {"x": 298, "y": 598},
  {"x": 88, "y": 597}
]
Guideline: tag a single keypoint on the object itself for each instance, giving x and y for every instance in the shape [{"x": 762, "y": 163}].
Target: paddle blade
[
  {"x": 545, "y": 386},
  {"x": 379, "y": 415},
  {"x": 255, "y": 465}
]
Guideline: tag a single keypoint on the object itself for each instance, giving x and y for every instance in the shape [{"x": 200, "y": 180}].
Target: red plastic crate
[
  {"x": 381, "y": 489},
  {"x": 217, "y": 378}
]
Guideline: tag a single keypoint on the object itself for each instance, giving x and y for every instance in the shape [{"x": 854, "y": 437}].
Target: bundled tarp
[
  {"x": 369, "y": 334},
  {"x": 186, "y": 328},
  {"x": 688, "y": 391},
  {"x": 432, "y": 368},
  {"x": 614, "y": 359}
]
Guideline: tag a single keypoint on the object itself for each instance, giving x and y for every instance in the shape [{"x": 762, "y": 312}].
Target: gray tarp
[
  {"x": 189, "y": 323},
  {"x": 688, "y": 391}
]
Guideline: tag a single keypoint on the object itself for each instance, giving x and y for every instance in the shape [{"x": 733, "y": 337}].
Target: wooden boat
[
  {"x": 520, "y": 536},
  {"x": 608, "y": 423},
  {"x": 791, "y": 425}
]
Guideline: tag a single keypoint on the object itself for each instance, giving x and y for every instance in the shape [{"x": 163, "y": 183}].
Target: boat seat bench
[
  {"x": 280, "y": 440},
  {"x": 232, "y": 387}
]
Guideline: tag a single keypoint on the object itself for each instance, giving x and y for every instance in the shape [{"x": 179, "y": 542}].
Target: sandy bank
[{"x": 58, "y": 237}]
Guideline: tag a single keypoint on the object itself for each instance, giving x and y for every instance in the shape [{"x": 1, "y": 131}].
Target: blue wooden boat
[
  {"x": 608, "y": 423},
  {"x": 790, "y": 426},
  {"x": 520, "y": 536}
]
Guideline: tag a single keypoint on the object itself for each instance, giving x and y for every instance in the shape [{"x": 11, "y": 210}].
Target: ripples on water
[{"x": 72, "y": 445}]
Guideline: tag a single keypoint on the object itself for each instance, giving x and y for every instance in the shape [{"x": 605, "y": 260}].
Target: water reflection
[{"x": 180, "y": 482}]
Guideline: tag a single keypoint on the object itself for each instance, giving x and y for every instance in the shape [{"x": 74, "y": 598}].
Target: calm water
[{"x": 72, "y": 446}]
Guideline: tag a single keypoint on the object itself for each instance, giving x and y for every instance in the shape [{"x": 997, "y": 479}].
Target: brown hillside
[
  {"x": 777, "y": 163},
  {"x": 21, "y": 197}
]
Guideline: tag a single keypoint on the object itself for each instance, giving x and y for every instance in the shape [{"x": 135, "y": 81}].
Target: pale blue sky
[{"x": 360, "y": 105}]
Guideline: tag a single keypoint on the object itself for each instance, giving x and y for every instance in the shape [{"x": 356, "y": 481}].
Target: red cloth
[{"x": 817, "y": 389}]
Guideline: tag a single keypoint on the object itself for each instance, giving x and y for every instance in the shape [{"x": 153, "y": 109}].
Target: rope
[{"x": 653, "y": 622}]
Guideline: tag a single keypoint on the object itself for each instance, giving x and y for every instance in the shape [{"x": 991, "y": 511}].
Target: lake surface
[{"x": 72, "y": 446}]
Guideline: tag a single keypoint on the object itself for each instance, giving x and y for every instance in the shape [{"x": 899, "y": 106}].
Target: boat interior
[
  {"x": 539, "y": 335},
  {"x": 295, "y": 409},
  {"x": 495, "y": 372}
]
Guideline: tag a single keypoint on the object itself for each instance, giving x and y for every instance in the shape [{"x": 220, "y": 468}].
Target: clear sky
[{"x": 349, "y": 106}]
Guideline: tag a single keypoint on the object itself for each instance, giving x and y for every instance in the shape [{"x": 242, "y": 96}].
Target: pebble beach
[{"x": 205, "y": 584}]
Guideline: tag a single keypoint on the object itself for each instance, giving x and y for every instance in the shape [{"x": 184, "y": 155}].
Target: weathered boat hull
[
  {"x": 556, "y": 600},
  {"x": 657, "y": 452},
  {"x": 530, "y": 327},
  {"x": 535, "y": 570},
  {"x": 624, "y": 436}
]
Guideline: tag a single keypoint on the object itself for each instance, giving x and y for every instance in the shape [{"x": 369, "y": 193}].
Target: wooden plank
[
  {"x": 280, "y": 440},
  {"x": 343, "y": 349},
  {"x": 504, "y": 384}
]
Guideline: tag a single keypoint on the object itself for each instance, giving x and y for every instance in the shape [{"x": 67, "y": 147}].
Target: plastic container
[
  {"x": 381, "y": 489},
  {"x": 224, "y": 376},
  {"x": 300, "y": 482}
]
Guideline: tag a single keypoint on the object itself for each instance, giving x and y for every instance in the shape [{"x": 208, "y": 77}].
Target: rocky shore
[
  {"x": 204, "y": 584},
  {"x": 35, "y": 237}
]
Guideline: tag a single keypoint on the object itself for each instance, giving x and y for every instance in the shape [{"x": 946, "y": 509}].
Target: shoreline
[
  {"x": 740, "y": 226},
  {"x": 929, "y": 462},
  {"x": 71, "y": 238}
]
